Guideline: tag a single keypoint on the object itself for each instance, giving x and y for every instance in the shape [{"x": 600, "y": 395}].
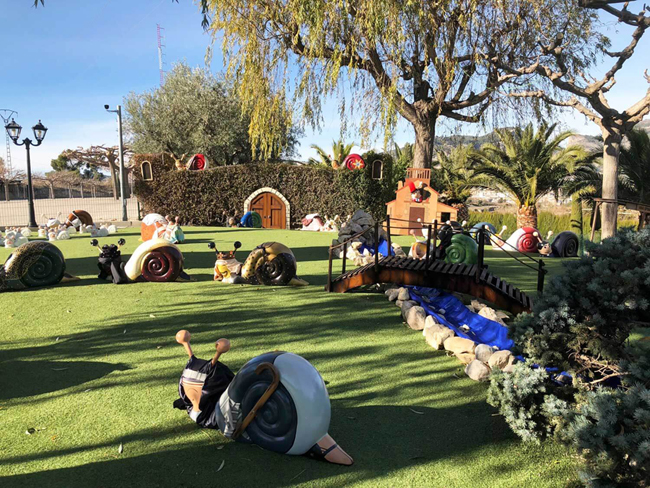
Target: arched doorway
[{"x": 272, "y": 207}]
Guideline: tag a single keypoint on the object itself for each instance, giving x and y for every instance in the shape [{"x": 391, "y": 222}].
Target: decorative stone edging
[{"x": 480, "y": 359}]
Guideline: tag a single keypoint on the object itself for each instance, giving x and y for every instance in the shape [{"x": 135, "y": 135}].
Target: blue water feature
[{"x": 456, "y": 316}]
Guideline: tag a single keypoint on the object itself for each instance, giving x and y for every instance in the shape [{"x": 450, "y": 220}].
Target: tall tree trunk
[
  {"x": 114, "y": 178},
  {"x": 611, "y": 150},
  {"x": 527, "y": 216},
  {"x": 6, "y": 190},
  {"x": 425, "y": 135}
]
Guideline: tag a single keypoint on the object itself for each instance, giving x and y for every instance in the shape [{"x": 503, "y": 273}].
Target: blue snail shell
[{"x": 296, "y": 416}]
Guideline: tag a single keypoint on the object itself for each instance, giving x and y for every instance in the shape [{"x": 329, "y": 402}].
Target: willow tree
[{"x": 421, "y": 60}]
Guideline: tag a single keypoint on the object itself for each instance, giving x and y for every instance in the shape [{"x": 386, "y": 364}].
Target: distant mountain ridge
[{"x": 590, "y": 143}]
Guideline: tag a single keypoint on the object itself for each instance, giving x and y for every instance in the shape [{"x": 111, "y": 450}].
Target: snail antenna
[
  {"x": 121, "y": 242},
  {"x": 237, "y": 245},
  {"x": 222, "y": 346},
  {"x": 211, "y": 245},
  {"x": 183, "y": 337}
]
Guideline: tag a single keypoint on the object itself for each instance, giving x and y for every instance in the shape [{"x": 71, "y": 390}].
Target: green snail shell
[{"x": 462, "y": 249}]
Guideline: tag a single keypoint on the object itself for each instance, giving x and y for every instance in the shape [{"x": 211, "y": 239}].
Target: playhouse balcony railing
[{"x": 418, "y": 174}]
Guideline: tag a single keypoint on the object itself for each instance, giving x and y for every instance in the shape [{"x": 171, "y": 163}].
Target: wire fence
[{"x": 15, "y": 213}]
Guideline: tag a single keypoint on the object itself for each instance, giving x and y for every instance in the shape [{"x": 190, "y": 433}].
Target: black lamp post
[{"x": 13, "y": 129}]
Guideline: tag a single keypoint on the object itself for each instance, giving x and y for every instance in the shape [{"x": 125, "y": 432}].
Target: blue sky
[{"x": 62, "y": 63}]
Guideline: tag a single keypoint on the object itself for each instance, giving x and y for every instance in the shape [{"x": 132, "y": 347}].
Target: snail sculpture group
[
  {"x": 454, "y": 246},
  {"x": 277, "y": 401},
  {"x": 528, "y": 240},
  {"x": 457, "y": 246},
  {"x": 270, "y": 263},
  {"x": 156, "y": 260}
]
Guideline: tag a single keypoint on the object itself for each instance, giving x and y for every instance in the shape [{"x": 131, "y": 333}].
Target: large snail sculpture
[
  {"x": 566, "y": 245},
  {"x": 155, "y": 260},
  {"x": 454, "y": 247},
  {"x": 524, "y": 240},
  {"x": 77, "y": 218},
  {"x": 270, "y": 263},
  {"x": 277, "y": 401},
  {"x": 474, "y": 231},
  {"x": 32, "y": 265}
]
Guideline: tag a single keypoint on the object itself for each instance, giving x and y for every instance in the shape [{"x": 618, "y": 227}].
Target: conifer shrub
[{"x": 581, "y": 325}]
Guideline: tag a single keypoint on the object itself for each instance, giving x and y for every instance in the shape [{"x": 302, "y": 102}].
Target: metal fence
[{"x": 102, "y": 209}]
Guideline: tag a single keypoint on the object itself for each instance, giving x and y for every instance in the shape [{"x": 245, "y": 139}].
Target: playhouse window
[
  {"x": 147, "y": 174},
  {"x": 445, "y": 216},
  {"x": 377, "y": 169}
]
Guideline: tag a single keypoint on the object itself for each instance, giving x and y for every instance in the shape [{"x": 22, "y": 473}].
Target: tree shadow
[
  {"x": 29, "y": 378},
  {"x": 381, "y": 439}
]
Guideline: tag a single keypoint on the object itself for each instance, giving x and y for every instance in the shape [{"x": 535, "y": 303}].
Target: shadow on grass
[
  {"x": 381, "y": 439},
  {"x": 29, "y": 378}
]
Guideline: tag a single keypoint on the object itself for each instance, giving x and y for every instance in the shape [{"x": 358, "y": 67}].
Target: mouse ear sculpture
[{"x": 277, "y": 401}]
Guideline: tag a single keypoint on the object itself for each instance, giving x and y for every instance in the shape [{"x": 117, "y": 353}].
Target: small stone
[
  {"x": 466, "y": 358},
  {"x": 459, "y": 345},
  {"x": 408, "y": 304},
  {"x": 490, "y": 313},
  {"x": 399, "y": 303},
  {"x": 392, "y": 293},
  {"x": 476, "y": 305},
  {"x": 483, "y": 352},
  {"x": 415, "y": 317},
  {"x": 440, "y": 336},
  {"x": 403, "y": 294},
  {"x": 477, "y": 370},
  {"x": 501, "y": 359}
]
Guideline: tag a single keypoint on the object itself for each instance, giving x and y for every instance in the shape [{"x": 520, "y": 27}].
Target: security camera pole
[{"x": 121, "y": 151}]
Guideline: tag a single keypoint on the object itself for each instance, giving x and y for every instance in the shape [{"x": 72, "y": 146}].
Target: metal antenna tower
[
  {"x": 160, "y": 53},
  {"x": 5, "y": 115}
]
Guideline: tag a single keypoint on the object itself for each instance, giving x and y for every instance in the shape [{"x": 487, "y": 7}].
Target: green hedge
[
  {"x": 201, "y": 198},
  {"x": 545, "y": 221}
]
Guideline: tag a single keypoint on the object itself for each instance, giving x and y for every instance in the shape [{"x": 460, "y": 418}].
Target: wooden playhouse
[{"x": 415, "y": 199}]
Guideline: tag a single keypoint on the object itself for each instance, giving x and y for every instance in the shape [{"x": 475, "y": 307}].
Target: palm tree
[
  {"x": 340, "y": 151},
  {"x": 634, "y": 169},
  {"x": 455, "y": 178},
  {"x": 634, "y": 173},
  {"x": 529, "y": 164}
]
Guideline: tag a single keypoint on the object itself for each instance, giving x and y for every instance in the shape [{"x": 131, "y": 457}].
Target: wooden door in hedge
[{"x": 272, "y": 209}]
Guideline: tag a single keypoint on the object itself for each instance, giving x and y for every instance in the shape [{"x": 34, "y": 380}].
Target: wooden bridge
[{"x": 474, "y": 280}]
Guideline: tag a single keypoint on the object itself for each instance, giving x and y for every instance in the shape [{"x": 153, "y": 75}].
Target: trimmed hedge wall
[{"x": 202, "y": 197}]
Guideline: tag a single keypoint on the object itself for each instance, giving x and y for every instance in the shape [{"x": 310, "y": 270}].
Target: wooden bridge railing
[{"x": 432, "y": 235}]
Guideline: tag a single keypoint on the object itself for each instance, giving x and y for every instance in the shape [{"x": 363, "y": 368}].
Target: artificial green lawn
[{"x": 91, "y": 365}]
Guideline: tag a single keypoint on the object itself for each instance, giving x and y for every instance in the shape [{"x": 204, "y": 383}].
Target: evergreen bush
[{"x": 581, "y": 324}]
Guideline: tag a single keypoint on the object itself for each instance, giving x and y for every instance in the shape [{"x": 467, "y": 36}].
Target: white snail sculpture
[{"x": 277, "y": 401}]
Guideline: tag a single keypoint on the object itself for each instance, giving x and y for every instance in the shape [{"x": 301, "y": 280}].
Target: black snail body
[
  {"x": 32, "y": 265},
  {"x": 271, "y": 264},
  {"x": 566, "y": 245}
]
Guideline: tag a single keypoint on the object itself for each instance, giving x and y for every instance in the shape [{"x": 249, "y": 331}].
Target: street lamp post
[
  {"x": 121, "y": 155},
  {"x": 13, "y": 129}
]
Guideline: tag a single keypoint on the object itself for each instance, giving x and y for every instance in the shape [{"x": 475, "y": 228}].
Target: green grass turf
[{"x": 93, "y": 365}]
